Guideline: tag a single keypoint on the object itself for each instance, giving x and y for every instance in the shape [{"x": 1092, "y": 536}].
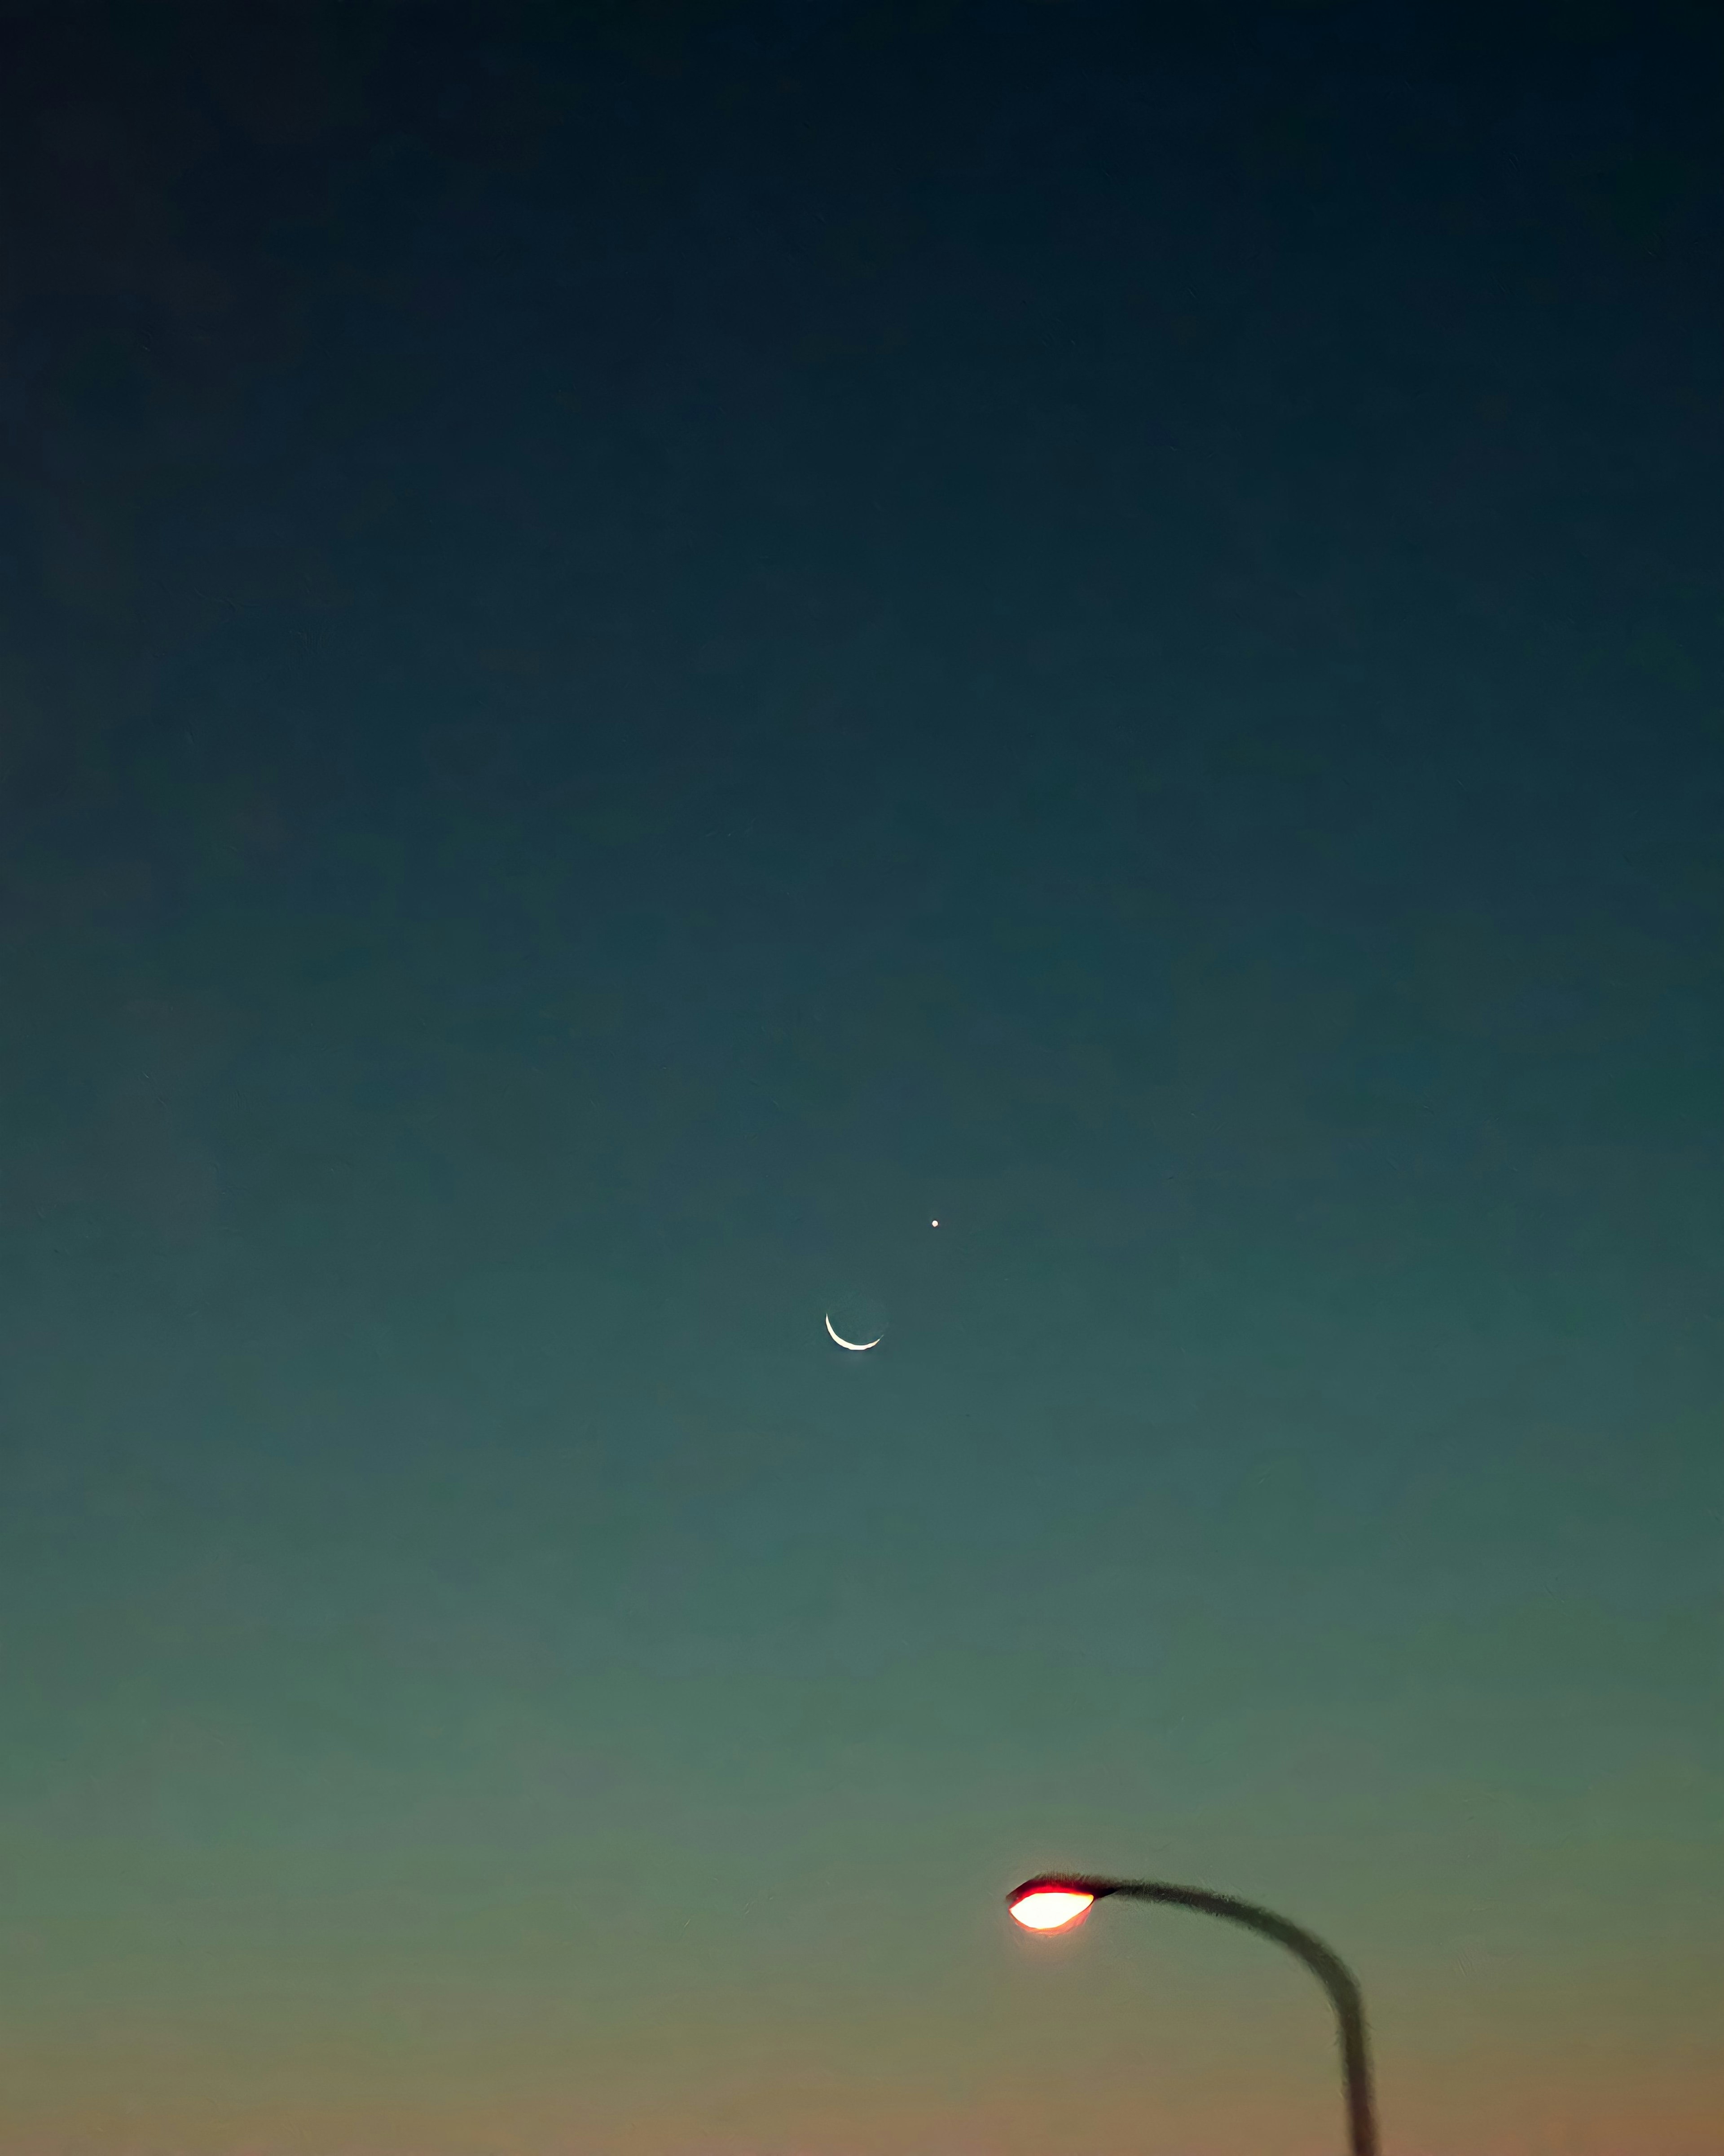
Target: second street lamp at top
[{"x": 1053, "y": 1901}]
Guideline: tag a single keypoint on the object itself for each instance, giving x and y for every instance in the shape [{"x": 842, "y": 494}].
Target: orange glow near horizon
[{"x": 1048, "y": 1909}]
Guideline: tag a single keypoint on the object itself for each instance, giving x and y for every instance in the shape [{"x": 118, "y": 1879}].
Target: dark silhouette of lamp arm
[{"x": 1052, "y": 1901}]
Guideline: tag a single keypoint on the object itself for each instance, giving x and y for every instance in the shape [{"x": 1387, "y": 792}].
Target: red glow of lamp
[{"x": 1049, "y": 1908}]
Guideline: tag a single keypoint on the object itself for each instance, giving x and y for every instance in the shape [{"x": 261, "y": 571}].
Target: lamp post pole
[{"x": 1049, "y": 1902}]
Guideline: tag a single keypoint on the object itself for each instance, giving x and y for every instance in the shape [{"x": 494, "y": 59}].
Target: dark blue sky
[{"x": 646, "y": 647}]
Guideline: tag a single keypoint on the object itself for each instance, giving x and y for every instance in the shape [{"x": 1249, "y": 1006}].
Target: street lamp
[{"x": 1051, "y": 1902}]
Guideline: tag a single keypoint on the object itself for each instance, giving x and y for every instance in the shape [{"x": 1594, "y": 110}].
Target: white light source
[{"x": 1048, "y": 1908}]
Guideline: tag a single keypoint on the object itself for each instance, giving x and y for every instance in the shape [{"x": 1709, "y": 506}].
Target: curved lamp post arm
[{"x": 1336, "y": 1979}]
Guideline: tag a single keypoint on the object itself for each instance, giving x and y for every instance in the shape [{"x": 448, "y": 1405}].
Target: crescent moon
[{"x": 856, "y": 1347}]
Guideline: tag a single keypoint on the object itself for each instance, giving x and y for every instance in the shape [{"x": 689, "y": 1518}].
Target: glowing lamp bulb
[{"x": 1048, "y": 1909}]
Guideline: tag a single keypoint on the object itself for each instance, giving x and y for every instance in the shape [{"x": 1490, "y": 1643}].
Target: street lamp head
[{"x": 1050, "y": 1905}]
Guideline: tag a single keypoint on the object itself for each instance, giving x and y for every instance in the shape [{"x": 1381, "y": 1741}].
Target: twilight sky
[{"x": 644, "y": 647}]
